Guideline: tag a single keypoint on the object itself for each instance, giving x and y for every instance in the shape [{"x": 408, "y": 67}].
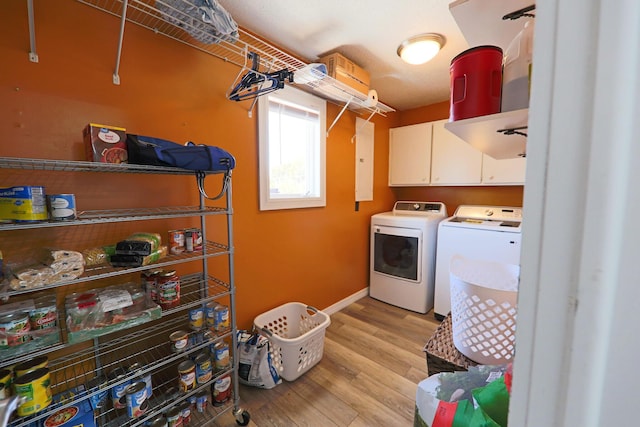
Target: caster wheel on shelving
[{"x": 245, "y": 418}]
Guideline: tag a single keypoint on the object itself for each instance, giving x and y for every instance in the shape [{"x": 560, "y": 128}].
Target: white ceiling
[{"x": 366, "y": 31}]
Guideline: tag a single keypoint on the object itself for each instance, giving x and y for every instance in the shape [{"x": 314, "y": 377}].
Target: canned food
[
  {"x": 188, "y": 241},
  {"x": 176, "y": 242},
  {"x": 14, "y": 329},
  {"x": 45, "y": 313},
  {"x": 210, "y": 313},
  {"x": 148, "y": 279},
  {"x": 168, "y": 285},
  {"x": 196, "y": 337},
  {"x": 118, "y": 392},
  {"x": 62, "y": 207},
  {"x": 137, "y": 403},
  {"x": 36, "y": 388},
  {"x": 30, "y": 365},
  {"x": 179, "y": 341},
  {"x": 221, "y": 355},
  {"x": 5, "y": 382},
  {"x": 196, "y": 318},
  {"x": 187, "y": 375},
  {"x": 185, "y": 412},
  {"x": 174, "y": 417},
  {"x": 201, "y": 401},
  {"x": 196, "y": 235},
  {"x": 99, "y": 399},
  {"x": 204, "y": 372},
  {"x": 221, "y": 390},
  {"x": 136, "y": 370},
  {"x": 221, "y": 317}
]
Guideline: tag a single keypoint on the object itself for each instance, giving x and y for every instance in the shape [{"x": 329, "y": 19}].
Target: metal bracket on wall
[
  {"x": 513, "y": 131},
  {"x": 524, "y": 12},
  {"x": 33, "y": 56}
]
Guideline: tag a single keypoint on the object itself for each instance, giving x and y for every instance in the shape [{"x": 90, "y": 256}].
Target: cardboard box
[
  {"x": 345, "y": 71},
  {"x": 105, "y": 144},
  {"x": 79, "y": 414}
]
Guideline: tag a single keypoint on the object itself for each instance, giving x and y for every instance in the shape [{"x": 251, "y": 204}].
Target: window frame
[{"x": 305, "y": 101}]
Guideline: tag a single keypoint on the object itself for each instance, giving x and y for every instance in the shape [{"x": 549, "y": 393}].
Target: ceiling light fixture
[{"x": 421, "y": 48}]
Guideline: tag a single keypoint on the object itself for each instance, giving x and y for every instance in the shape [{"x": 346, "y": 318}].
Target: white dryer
[
  {"x": 403, "y": 247},
  {"x": 489, "y": 233}
]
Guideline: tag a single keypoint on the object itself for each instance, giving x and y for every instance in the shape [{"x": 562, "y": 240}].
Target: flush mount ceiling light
[{"x": 421, "y": 48}]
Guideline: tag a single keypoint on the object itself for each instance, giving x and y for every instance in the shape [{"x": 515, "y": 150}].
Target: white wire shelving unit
[{"x": 153, "y": 15}]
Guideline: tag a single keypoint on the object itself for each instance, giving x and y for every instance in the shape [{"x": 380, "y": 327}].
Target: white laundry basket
[
  {"x": 296, "y": 332},
  {"x": 483, "y": 309}
]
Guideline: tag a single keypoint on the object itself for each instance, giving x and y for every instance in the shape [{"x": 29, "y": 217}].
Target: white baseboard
[{"x": 346, "y": 301}]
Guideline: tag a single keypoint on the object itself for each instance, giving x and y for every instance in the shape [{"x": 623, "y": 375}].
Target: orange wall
[
  {"x": 452, "y": 197},
  {"x": 317, "y": 256}
]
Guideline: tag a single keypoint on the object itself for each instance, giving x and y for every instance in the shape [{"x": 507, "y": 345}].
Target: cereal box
[{"x": 105, "y": 144}]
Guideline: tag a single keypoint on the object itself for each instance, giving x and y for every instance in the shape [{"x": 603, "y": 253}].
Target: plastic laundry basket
[
  {"x": 483, "y": 309},
  {"x": 296, "y": 332}
]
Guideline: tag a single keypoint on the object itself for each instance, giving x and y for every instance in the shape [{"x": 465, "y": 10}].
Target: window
[{"x": 292, "y": 138}]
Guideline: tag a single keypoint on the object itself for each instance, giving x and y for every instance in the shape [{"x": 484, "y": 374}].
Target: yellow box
[{"x": 347, "y": 72}]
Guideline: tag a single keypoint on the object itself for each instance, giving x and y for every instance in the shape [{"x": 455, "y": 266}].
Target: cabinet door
[
  {"x": 410, "y": 155},
  {"x": 505, "y": 171},
  {"x": 454, "y": 161}
]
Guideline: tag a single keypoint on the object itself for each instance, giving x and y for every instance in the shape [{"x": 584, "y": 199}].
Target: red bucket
[{"x": 476, "y": 82}]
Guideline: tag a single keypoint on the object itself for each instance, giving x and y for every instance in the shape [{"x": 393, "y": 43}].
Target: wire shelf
[
  {"x": 184, "y": 29},
  {"x": 103, "y": 271},
  {"x": 82, "y": 166},
  {"x": 92, "y": 217},
  {"x": 133, "y": 348}
]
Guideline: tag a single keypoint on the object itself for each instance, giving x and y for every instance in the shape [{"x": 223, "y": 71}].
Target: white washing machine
[
  {"x": 489, "y": 233},
  {"x": 403, "y": 248}
]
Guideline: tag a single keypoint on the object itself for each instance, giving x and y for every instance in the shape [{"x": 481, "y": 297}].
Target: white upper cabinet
[
  {"x": 454, "y": 161},
  {"x": 429, "y": 154},
  {"x": 503, "y": 172},
  {"x": 410, "y": 155}
]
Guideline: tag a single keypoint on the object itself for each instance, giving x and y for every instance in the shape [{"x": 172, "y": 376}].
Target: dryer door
[{"x": 397, "y": 252}]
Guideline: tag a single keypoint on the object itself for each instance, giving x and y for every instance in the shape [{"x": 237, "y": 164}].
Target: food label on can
[
  {"x": 136, "y": 399},
  {"x": 176, "y": 241},
  {"x": 118, "y": 395},
  {"x": 221, "y": 355},
  {"x": 44, "y": 317},
  {"x": 196, "y": 318},
  {"x": 221, "y": 318},
  {"x": 62, "y": 207},
  {"x": 187, "y": 371},
  {"x": 14, "y": 329},
  {"x": 204, "y": 371},
  {"x": 222, "y": 390}
]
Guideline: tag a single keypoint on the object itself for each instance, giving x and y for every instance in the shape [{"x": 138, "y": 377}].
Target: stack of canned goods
[
  {"x": 217, "y": 316},
  {"x": 163, "y": 286},
  {"x": 186, "y": 240}
]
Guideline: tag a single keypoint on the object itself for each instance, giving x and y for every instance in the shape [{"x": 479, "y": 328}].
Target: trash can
[{"x": 483, "y": 309}]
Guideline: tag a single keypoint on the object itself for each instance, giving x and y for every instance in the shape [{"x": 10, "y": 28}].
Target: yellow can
[
  {"x": 36, "y": 387},
  {"x": 5, "y": 383}
]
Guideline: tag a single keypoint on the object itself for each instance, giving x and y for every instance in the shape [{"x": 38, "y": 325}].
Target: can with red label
[
  {"x": 148, "y": 279},
  {"x": 45, "y": 313},
  {"x": 176, "y": 242},
  {"x": 221, "y": 390},
  {"x": 168, "y": 285}
]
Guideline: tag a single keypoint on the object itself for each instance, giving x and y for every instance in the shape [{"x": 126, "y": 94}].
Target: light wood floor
[{"x": 372, "y": 363}]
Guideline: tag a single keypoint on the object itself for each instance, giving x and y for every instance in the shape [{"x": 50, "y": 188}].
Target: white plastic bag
[{"x": 255, "y": 367}]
